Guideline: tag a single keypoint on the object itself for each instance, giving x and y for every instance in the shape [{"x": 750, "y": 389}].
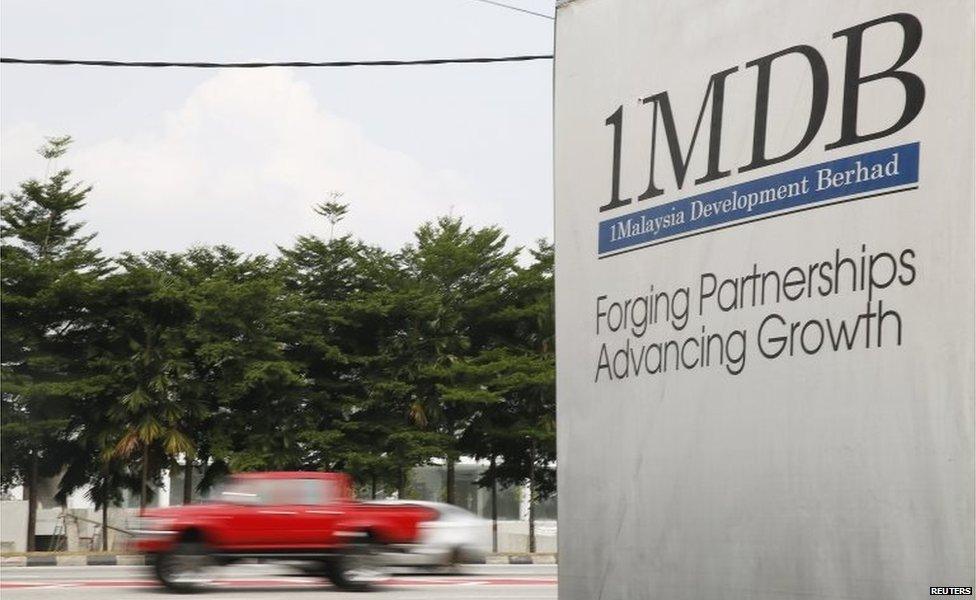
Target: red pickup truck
[{"x": 294, "y": 516}]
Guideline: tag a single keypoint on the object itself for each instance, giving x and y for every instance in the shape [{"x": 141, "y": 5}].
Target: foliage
[
  {"x": 48, "y": 285},
  {"x": 333, "y": 355}
]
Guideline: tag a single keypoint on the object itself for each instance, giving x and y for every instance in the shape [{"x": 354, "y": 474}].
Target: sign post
[{"x": 765, "y": 298}]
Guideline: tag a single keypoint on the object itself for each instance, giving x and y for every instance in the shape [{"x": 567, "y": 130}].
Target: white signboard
[{"x": 765, "y": 298}]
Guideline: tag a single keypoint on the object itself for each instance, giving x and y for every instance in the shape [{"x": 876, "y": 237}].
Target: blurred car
[
  {"x": 281, "y": 516},
  {"x": 453, "y": 536}
]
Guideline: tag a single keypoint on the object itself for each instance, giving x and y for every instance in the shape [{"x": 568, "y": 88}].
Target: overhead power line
[
  {"x": 517, "y": 8},
  {"x": 261, "y": 65}
]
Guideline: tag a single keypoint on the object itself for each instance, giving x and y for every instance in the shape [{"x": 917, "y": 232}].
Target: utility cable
[{"x": 261, "y": 65}]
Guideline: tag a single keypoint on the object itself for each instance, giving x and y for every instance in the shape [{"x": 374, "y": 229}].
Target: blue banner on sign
[{"x": 782, "y": 193}]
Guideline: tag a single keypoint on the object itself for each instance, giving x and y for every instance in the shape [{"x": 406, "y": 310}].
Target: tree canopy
[{"x": 333, "y": 354}]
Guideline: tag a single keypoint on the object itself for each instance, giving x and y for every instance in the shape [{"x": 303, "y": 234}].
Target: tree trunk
[
  {"x": 450, "y": 480},
  {"x": 494, "y": 506},
  {"x": 105, "y": 523},
  {"x": 145, "y": 477},
  {"x": 372, "y": 486},
  {"x": 531, "y": 519},
  {"x": 532, "y": 501},
  {"x": 188, "y": 481},
  {"x": 401, "y": 484},
  {"x": 31, "y": 501}
]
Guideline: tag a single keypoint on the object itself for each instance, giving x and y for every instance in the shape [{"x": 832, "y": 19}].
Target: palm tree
[
  {"x": 152, "y": 417},
  {"x": 152, "y": 414}
]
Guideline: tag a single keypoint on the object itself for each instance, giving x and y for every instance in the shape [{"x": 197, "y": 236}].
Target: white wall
[
  {"x": 13, "y": 525},
  {"x": 513, "y": 536}
]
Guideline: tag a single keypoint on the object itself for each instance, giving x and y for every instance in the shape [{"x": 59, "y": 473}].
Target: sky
[{"x": 179, "y": 157}]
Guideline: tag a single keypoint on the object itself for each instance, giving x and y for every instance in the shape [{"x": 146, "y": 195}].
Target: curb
[
  {"x": 72, "y": 560},
  {"x": 101, "y": 560}
]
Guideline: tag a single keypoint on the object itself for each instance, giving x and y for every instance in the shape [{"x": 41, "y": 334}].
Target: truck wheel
[
  {"x": 183, "y": 569},
  {"x": 359, "y": 568}
]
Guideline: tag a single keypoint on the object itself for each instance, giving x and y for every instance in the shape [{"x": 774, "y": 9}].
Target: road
[{"x": 264, "y": 582}]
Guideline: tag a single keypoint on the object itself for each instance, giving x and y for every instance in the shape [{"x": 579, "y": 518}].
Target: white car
[{"x": 456, "y": 536}]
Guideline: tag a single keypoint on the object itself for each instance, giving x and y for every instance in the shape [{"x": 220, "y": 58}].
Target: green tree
[
  {"x": 151, "y": 311},
  {"x": 520, "y": 430},
  {"x": 459, "y": 276},
  {"x": 333, "y": 211},
  {"x": 249, "y": 391},
  {"x": 87, "y": 449},
  {"x": 50, "y": 275},
  {"x": 212, "y": 384},
  {"x": 330, "y": 340},
  {"x": 384, "y": 430}
]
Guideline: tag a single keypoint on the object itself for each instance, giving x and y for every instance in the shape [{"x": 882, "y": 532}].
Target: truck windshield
[
  {"x": 242, "y": 491},
  {"x": 276, "y": 491}
]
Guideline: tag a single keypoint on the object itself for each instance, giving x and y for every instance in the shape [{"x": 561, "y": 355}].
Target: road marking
[{"x": 282, "y": 582}]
